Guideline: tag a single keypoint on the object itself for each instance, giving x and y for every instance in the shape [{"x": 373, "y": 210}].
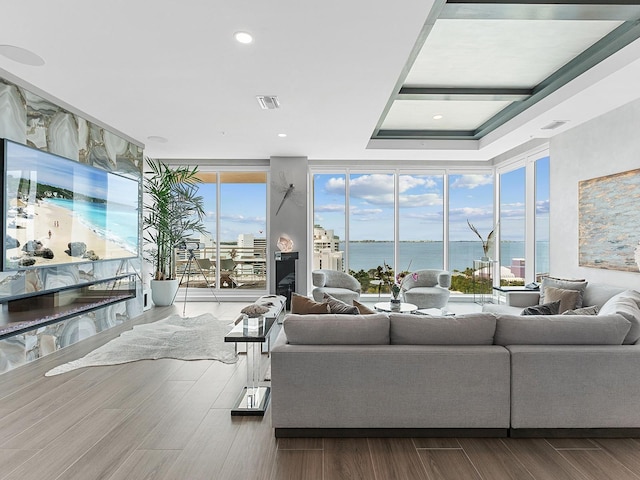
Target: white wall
[{"x": 603, "y": 146}]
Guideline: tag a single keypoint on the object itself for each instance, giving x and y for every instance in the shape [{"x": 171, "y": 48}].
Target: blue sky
[
  {"x": 60, "y": 172},
  {"x": 242, "y": 209},
  {"x": 243, "y": 206},
  {"x": 421, "y": 205}
]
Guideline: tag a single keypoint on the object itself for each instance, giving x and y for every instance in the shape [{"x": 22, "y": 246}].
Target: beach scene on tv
[{"x": 59, "y": 211}]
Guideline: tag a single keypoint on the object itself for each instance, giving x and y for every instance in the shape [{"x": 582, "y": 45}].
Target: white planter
[{"x": 163, "y": 292}]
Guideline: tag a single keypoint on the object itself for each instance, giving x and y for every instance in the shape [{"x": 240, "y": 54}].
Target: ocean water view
[
  {"x": 421, "y": 255},
  {"x": 118, "y": 225}
]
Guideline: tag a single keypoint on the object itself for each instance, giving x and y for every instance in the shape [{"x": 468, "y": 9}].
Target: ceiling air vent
[
  {"x": 268, "y": 102},
  {"x": 555, "y": 124}
]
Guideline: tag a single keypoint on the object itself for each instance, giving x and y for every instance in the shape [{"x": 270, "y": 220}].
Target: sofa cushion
[
  {"x": 568, "y": 299},
  {"x": 362, "y": 309},
  {"x": 592, "y": 310},
  {"x": 552, "y": 308},
  {"x": 336, "y": 329},
  {"x": 566, "y": 284},
  {"x": 626, "y": 304},
  {"x": 561, "y": 330},
  {"x": 338, "y": 306},
  {"x": 303, "y": 305},
  {"x": 469, "y": 329}
]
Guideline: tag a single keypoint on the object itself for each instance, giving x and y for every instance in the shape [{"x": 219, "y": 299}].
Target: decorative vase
[
  {"x": 163, "y": 292},
  {"x": 395, "y": 304}
]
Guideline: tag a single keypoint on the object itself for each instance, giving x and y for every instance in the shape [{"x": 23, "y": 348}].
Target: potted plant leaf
[{"x": 173, "y": 212}]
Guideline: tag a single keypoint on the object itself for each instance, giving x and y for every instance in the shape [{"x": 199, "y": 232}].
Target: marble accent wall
[{"x": 32, "y": 120}]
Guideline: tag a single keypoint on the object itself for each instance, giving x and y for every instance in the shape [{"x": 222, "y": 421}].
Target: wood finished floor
[{"x": 168, "y": 419}]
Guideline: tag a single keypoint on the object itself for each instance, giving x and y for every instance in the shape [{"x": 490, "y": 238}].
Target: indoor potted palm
[{"x": 173, "y": 213}]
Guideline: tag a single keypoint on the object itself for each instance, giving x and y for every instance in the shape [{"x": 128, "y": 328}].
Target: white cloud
[
  {"x": 242, "y": 219},
  {"x": 542, "y": 206},
  {"x": 329, "y": 208},
  {"x": 406, "y": 182},
  {"x": 471, "y": 213},
  {"x": 335, "y": 185},
  {"x": 366, "y": 211},
  {"x": 472, "y": 181},
  {"x": 422, "y": 200}
]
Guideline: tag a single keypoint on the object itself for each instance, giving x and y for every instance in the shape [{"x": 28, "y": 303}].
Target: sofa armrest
[{"x": 523, "y": 299}]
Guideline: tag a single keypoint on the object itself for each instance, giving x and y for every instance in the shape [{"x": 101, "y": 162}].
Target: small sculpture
[{"x": 285, "y": 244}]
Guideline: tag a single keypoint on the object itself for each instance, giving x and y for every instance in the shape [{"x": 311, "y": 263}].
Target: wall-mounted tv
[{"x": 59, "y": 211}]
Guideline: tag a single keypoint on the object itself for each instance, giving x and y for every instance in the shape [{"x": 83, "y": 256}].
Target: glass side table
[
  {"x": 483, "y": 280},
  {"x": 254, "y": 398}
]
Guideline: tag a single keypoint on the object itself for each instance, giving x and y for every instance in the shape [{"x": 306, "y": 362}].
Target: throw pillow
[
  {"x": 544, "y": 309},
  {"x": 304, "y": 306},
  {"x": 338, "y": 306},
  {"x": 363, "y": 309},
  {"x": 592, "y": 310},
  {"x": 564, "y": 283},
  {"x": 627, "y": 304},
  {"x": 569, "y": 299},
  {"x": 254, "y": 310}
]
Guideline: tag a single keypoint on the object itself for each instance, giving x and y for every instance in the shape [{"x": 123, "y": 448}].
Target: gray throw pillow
[
  {"x": 569, "y": 299},
  {"x": 338, "y": 306},
  {"x": 592, "y": 310},
  {"x": 552, "y": 308},
  {"x": 564, "y": 283}
]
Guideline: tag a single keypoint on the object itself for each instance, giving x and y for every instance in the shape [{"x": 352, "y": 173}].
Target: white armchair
[
  {"x": 339, "y": 285},
  {"x": 430, "y": 289}
]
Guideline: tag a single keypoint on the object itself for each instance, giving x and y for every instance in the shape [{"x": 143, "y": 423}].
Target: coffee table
[
  {"x": 404, "y": 307},
  {"x": 254, "y": 398}
]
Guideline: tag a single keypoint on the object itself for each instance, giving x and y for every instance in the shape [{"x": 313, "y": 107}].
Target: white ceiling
[{"x": 172, "y": 69}]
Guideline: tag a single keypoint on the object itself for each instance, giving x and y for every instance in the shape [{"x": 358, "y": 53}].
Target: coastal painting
[
  {"x": 609, "y": 216},
  {"x": 59, "y": 211}
]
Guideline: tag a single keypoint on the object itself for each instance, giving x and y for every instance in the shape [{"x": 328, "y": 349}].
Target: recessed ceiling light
[
  {"x": 21, "y": 55},
  {"x": 438, "y": 117},
  {"x": 243, "y": 37},
  {"x": 282, "y": 135},
  {"x": 157, "y": 139}
]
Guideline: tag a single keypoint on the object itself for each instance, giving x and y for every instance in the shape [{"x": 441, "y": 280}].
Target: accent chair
[
  {"x": 339, "y": 285},
  {"x": 429, "y": 290}
]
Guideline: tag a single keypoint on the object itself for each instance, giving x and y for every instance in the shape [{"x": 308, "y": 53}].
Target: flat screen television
[{"x": 58, "y": 211}]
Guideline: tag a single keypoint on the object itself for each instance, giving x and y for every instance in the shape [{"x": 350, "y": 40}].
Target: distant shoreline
[{"x": 55, "y": 227}]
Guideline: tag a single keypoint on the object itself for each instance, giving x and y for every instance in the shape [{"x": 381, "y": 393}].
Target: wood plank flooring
[{"x": 170, "y": 420}]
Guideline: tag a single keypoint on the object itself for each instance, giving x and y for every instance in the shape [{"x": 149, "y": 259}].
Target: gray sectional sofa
[{"x": 477, "y": 374}]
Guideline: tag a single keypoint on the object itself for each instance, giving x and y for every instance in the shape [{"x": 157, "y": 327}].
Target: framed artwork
[{"x": 609, "y": 222}]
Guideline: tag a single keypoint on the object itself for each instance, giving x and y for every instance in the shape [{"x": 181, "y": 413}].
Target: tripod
[{"x": 190, "y": 262}]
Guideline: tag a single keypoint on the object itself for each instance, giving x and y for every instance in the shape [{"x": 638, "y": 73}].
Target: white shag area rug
[{"x": 196, "y": 338}]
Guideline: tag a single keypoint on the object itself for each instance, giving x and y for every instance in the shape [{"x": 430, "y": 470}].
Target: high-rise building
[{"x": 326, "y": 250}]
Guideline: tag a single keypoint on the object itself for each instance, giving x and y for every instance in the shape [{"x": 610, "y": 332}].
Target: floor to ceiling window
[
  {"x": 524, "y": 218},
  {"x": 512, "y": 229},
  {"x": 372, "y": 235},
  {"x": 420, "y": 222},
  {"x": 371, "y": 228},
  {"x": 329, "y": 221},
  {"x": 470, "y": 203},
  {"x": 541, "y": 217},
  {"x": 232, "y": 255}
]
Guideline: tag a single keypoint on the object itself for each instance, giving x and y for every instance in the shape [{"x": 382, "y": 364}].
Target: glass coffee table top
[{"x": 404, "y": 307}]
